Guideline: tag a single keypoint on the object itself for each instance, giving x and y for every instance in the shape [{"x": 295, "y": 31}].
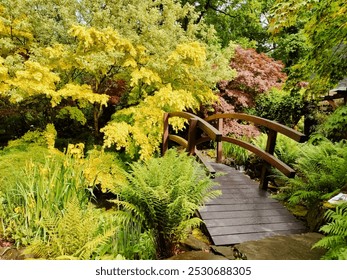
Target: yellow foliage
[
  {"x": 81, "y": 93},
  {"x": 144, "y": 75},
  {"x": 142, "y": 138},
  {"x": 58, "y": 56},
  {"x": 3, "y": 77},
  {"x": 50, "y": 135},
  {"x": 145, "y": 133},
  {"x": 106, "y": 39},
  {"x": 15, "y": 28},
  {"x": 164, "y": 67},
  {"x": 75, "y": 151},
  {"x": 172, "y": 100},
  {"x": 130, "y": 62},
  {"x": 35, "y": 79},
  {"x": 117, "y": 133},
  {"x": 193, "y": 54},
  {"x": 100, "y": 168}
]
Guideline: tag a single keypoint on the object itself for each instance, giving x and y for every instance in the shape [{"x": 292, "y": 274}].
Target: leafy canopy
[
  {"x": 325, "y": 31},
  {"x": 79, "y": 51}
]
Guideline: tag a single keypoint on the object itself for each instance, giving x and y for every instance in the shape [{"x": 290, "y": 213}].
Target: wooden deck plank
[
  {"x": 248, "y": 213},
  {"x": 244, "y": 212},
  {"x": 238, "y": 200},
  {"x": 238, "y": 207},
  {"x": 248, "y": 221}
]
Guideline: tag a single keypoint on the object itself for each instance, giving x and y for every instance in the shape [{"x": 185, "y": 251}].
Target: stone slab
[{"x": 291, "y": 247}]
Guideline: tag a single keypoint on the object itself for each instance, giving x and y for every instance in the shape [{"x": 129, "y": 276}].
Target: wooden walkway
[{"x": 244, "y": 212}]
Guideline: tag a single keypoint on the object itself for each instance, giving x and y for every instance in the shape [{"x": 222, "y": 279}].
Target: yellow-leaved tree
[{"x": 139, "y": 58}]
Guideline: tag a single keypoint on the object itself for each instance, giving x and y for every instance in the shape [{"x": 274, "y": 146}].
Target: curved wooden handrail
[
  {"x": 289, "y": 132},
  {"x": 275, "y": 162},
  {"x": 209, "y": 129},
  {"x": 215, "y": 134},
  {"x": 179, "y": 140}
]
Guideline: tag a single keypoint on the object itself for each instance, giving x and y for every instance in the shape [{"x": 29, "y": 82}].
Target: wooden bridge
[{"x": 244, "y": 211}]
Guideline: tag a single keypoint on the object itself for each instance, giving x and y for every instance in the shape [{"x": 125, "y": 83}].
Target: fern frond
[
  {"x": 336, "y": 229},
  {"x": 86, "y": 251},
  {"x": 162, "y": 195}
]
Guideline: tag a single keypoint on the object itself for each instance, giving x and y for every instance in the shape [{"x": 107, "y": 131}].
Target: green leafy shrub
[
  {"x": 278, "y": 105},
  {"x": 85, "y": 232},
  {"x": 73, "y": 233},
  {"x": 321, "y": 172},
  {"x": 162, "y": 196},
  {"x": 46, "y": 206},
  {"x": 286, "y": 149},
  {"x": 335, "y": 125},
  {"x": 336, "y": 240},
  {"x": 237, "y": 153},
  {"x": 42, "y": 191}
]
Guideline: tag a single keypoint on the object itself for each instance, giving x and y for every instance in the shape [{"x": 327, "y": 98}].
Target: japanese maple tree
[{"x": 256, "y": 74}]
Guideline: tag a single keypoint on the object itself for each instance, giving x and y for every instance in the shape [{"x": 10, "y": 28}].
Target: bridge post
[
  {"x": 165, "y": 144},
  {"x": 270, "y": 148},
  {"x": 193, "y": 124},
  {"x": 219, "y": 150}
]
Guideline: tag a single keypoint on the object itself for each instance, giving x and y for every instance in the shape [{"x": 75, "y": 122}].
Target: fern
[
  {"x": 286, "y": 149},
  {"x": 336, "y": 240},
  {"x": 75, "y": 234},
  {"x": 321, "y": 170},
  {"x": 162, "y": 196}
]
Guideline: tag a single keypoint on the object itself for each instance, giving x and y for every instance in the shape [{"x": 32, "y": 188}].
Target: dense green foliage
[
  {"x": 322, "y": 26},
  {"x": 85, "y": 56},
  {"x": 162, "y": 196},
  {"x": 286, "y": 149},
  {"x": 283, "y": 107},
  {"x": 75, "y": 233},
  {"x": 336, "y": 230},
  {"x": 334, "y": 126},
  {"x": 238, "y": 154},
  {"x": 244, "y": 22},
  {"x": 75, "y": 73},
  {"x": 321, "y": 171},
  {"x": 46, "y": 202}
]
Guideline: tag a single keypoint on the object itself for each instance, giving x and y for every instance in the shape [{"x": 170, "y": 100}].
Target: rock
[
  {"x": 226, "y": 251},
  {"x": 292, "y": 247},
  {"x": 8, "y": 253},
  {"x": 197, "y": 255},
  {"x": 195, "y": 244}
]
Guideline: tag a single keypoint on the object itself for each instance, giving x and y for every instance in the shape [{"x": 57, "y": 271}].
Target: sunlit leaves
[
  {"x": 190, "y": 54},
  {"x": 144, "y": 75},
  {"x": 34, "y": 79},
  {"x": 323, "y": 24},
  {"x": 163, "y": 59}
]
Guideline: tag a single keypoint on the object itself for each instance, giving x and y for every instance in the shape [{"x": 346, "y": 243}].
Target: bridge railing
[
  {"x": 195, "y": 122},
  {"x": 273, "y": 128},
  {"x": 214, "y": 133}
]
